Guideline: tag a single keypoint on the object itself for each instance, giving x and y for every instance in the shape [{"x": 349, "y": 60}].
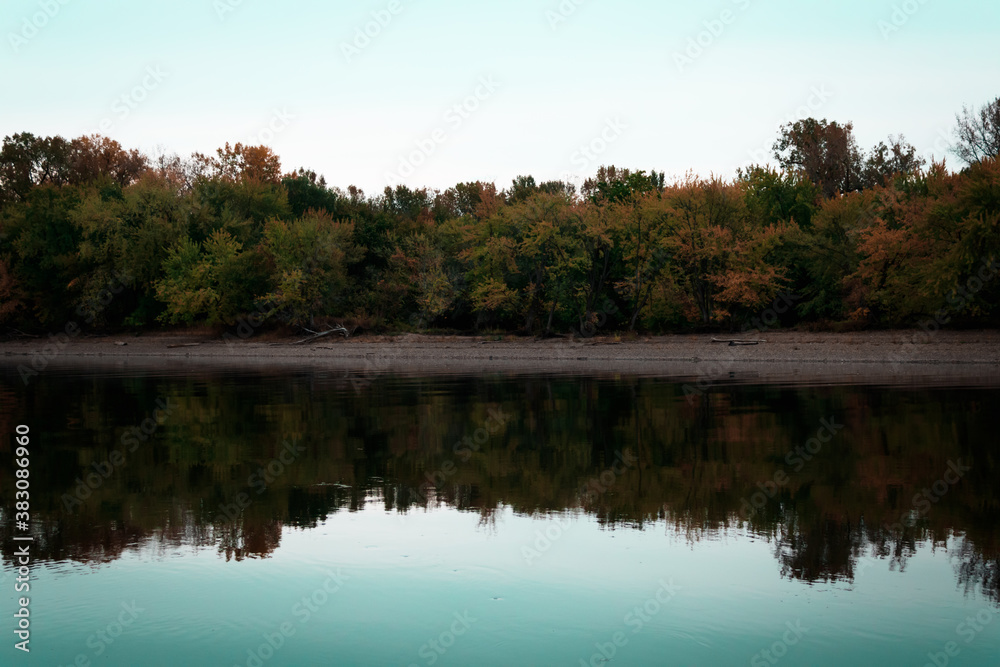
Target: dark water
[{"x": 212, "y": 518}]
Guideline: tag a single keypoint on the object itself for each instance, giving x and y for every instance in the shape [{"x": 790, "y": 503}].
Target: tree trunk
[{"x": 548, "y": 325}]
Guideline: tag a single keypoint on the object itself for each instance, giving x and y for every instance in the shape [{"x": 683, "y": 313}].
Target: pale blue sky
[{"x": 230, "y": 68}]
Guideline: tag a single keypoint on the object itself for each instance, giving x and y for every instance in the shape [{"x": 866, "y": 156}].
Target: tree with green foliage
[
  {"x": 824, "y": 152},
  {"x": 125, "y": 235},
  {"x": 213, "y": 282},
  {"x": 307, "y": 261}
]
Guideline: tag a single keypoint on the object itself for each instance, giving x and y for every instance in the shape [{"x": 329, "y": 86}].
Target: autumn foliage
[{"x": 850, "y": 240}]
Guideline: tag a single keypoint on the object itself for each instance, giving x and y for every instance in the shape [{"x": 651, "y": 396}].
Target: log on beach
[
  {"x": 321, "y": 334},
  {"x": 734, "y": 342}
]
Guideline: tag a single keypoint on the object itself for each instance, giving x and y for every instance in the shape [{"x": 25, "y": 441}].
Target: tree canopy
[{"x": 851, "y": 238}]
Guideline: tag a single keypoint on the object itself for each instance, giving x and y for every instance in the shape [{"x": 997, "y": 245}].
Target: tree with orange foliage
[
  {"x": 95, "y": 157},
  {"x": 720, "y": 257},
  {"x": 929, "y": 247},
  {"x": 241, "y": 163}
]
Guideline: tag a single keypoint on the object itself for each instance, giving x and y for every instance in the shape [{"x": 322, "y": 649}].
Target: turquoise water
[{"x": 593, "y": 521}]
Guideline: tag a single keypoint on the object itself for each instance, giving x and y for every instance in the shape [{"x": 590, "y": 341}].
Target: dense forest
[{"x": 104, "y": 237}]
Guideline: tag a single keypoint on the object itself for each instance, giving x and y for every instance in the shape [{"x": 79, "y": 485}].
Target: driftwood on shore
[
  {"x": 739, "y": 342},
  {"x": 321, "y": 334},
  {"x": 20, "y": 333}
]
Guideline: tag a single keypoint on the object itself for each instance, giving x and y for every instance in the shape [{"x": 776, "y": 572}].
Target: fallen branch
[
  {"x": 738, "y": 342},
  {"x": 315, "y": 335},
  {"x": 22, "y": 334},
  {"x": 184, "y": 345}
]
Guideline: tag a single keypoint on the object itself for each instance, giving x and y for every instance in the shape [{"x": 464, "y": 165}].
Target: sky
[{"x": 436, "y": 92}]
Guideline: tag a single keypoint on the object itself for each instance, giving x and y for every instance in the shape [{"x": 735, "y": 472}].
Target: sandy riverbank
[{"x": 898, "y": 355}]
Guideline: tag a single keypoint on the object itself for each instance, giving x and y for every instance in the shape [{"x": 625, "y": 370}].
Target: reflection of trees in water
[
  {"x": 241, "y": 539},
  {"x": 488, "y": 519},
  {"x": 820, "y": 551},
  {"x": 807, "y": 549},
  {"x": 829, "y": 549},
  {"x": 392, "y": 446},
  {"x": 976, "y": 572}
]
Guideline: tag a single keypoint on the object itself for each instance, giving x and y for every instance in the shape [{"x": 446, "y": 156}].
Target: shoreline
[{"x": 883, "y": 356}]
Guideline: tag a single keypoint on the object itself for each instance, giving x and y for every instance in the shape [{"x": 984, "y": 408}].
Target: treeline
[{"x": 92, "y": 232}]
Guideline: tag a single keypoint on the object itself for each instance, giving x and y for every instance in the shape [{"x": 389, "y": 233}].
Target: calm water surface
[{"x": 209, "y": 518}]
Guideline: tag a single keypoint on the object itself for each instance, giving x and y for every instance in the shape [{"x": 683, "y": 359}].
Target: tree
[
  {"x": 643, "y": 224},
  {"x": 126, "y": 237},
  {"x": 239, "y": 207},
  {"x": 421, "y": 274},
  {"x": 884, "y": 162},
  {"x": 552, "y": 255},
  {"x": 214, "y": 281},
  {"x": 826, "y": 153},
  {"x": 461, "y": 200},
  {"x": 602, "y": 229},
  {"x": 308, "y": 260},
  {"x": 307, "y": 190},
  {"x": 524, "y": 187},
  {"x": 978, "y": 133},
  {"x": 521, "y": 188},
  {"x": 241, "y": 163},
  {"x": 618, "y": 185},
  {"x": 45, "y": 244},
  {"x": 490, "y": 255},
  {"x": 719, "y": 259},
  {"x": 408, "y": 206},
  {"x": 27, "y": 161},
  {"x": 774, "y": 196},
  {"x": 825, "y": 253},
  {"x": 11, "y": 296},
  {"x": 493, "y": 278},
  {"x": 96, "y": 157}
]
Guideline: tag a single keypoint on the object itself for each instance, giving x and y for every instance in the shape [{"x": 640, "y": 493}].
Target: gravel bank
[{"x": 892, "y": 356}]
